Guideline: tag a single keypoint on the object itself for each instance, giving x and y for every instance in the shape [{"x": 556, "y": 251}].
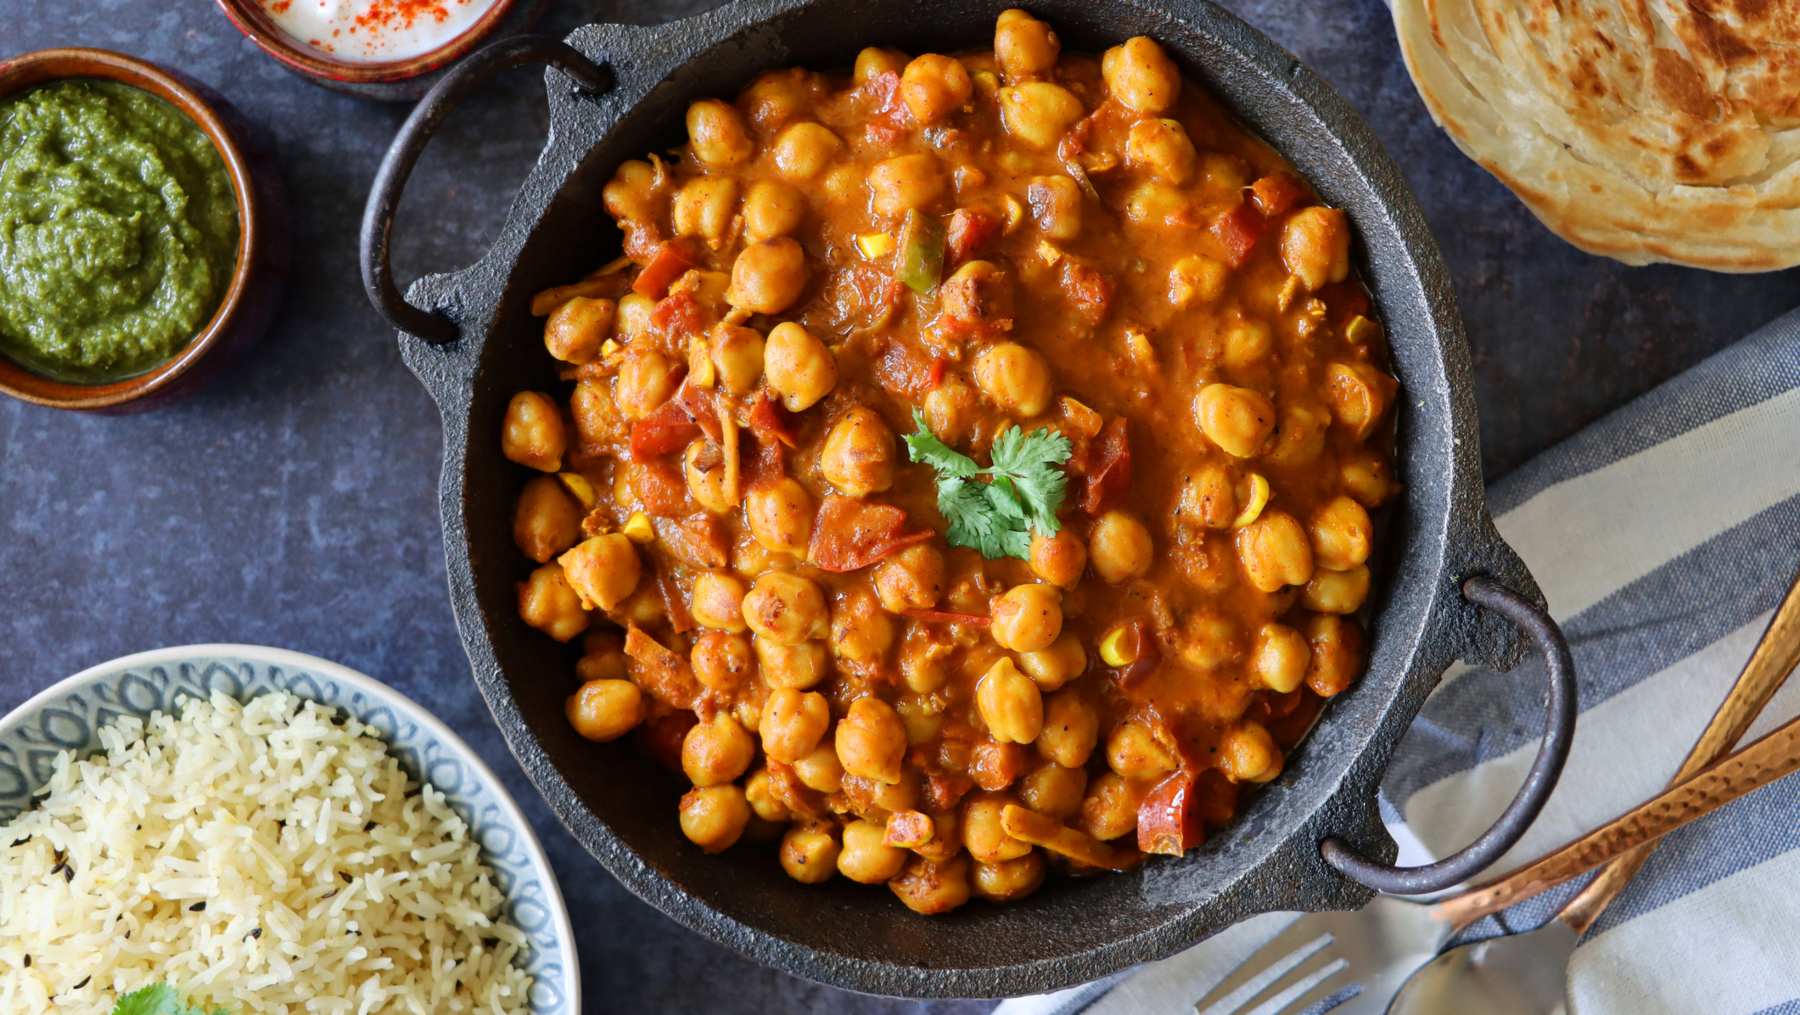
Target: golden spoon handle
[
  {"x": 1757, "y": 765},
  {"x": 1769, "y": 666}
]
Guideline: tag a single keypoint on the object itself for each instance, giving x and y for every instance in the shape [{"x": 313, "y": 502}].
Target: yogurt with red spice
[{"x": 374, "y": 31}]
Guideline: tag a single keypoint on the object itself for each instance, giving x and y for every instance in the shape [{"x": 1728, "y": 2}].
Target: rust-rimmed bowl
[
  {"x": 249, "y": 301},
  {"x": 384, "y": 79}
]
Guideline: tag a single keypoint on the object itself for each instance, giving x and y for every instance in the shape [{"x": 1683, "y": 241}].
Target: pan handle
[
  {"x": 435, "y": 326},
  {"x": 1553, "y": 751}
]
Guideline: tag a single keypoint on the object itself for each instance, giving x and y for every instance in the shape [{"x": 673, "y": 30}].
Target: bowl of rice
[{"x": 258, "y": 830}]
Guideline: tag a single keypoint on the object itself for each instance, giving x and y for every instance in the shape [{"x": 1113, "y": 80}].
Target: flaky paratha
[{"x": 1644, "y": 130}]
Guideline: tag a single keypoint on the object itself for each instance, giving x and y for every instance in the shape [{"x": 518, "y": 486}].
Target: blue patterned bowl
[{"x": 66, "y": 716}]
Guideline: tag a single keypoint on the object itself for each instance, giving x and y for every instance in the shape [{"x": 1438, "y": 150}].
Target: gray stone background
[{"x": 292, "y": 503}]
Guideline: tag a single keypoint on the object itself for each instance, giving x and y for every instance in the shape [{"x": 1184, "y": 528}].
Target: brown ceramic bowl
[
  {"x": 247, "y": 305},
  {"x": 354, "y": 75}
]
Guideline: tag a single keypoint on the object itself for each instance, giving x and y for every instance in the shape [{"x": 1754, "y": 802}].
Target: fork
[{"x": 1324, "y": 960}]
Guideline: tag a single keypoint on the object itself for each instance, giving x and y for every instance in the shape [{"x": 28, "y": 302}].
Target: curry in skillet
[{"x": 967, "y": 470}]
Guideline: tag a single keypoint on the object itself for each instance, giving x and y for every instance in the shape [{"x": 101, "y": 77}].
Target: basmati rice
[{"x": 261, "y": 856}]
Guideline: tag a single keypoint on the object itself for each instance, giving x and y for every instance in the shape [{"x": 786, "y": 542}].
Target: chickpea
[
  {"x": 930, "y": 887},
  {"x": 1058, "y": 559},
  {"x": 1337, "y": 591},
  {"x": 1300, "y": 438},
  {"x": 1014, "y": 378},
  {"x": 1247, "y": 343},
  {"x": 922, "y": 716},
  {"x": 1279, "y": 658},
  {"x": 1038, "y": 113},
  {"x": 875, "y": 800},
  {"x": 764, "y": 804},
  {"x": 1071, "y": 729},
  {"x": 713, "y": 817},
  {"x": 547, "y": 603},
  {"x": 933, "y": 86},
  {"x": 546, "y": 520},
  {"x": 767, "y": 277},
  {"x": 1208, "y": 498},
  {"x": 866, "y": 857},
  {"x": 1141, "y": 76},
  {"x": 821, "y": 770},
  {"x": 704, "y": 207},
  {"x": 1274, "y": 552},
  {"x": 1237, "y": 419},
  {"x": 982, "y": 834},
  {"x": 1315, "y": 246},
  {"x": 1208, "y": 640},
  {"x": 995, "y": 766},
  {"x": 1359, "y": 395},
  {"x": 603, "y": 710},
  {"x": 1154, "y": 204},
  {"x": 786, "y": 608},
  {"x": 871, "y": 740},
  {"x": 602, "y": 570},
  {"x": 780, "y": 515},
  {"x": 1161, "y": 147},
  {"x": 721, "y": 661},
  {"x": 922, "y": 661},
  {"x": 793, "y": 723},
  {"x": 717, "y": 135},
  {"x": 737, "y": 353},
  {"x": 1367, "y": 477},
  {"x": 797, "y": 666},
  {"x": 1009, "y": 880},
  {"x": 905, "y": 182},
  {"x": 772, "y": 209},
  {"x": 1135, "y": 753},
  {"x": 632, "y": 194},
  {"x": 1342, "y": 534},
  {"x": 1247, "y": 753},
  {"x": 858, "y": 454},
  {"x": 1024, "y": 47},
  {"x": 634, "y": 315},
  {"x": 645, "y": 380},
  {"x": 1110, "y": 808},
  {"x": 1337, "y": 649},
  {"x": 951, "y": 409},
  {"x": 978, "y": 292},
  {"x": 779, "y": 96},
  {"x": 809, "y": 853},
  {"x": 872, "y": 62},
  {"x": 573, "y": 332},
  {"x": 717, "y": 751},
  {"x": 861, "y": 631},
  {"x": 1054, "y": 790},
  {"x": 1027, "y": 618},
  {"x": 1196, "y": 279},
  {"x": 603, "y": 657},
  {"x": 532, "y": 433},
  {"x": 798, "y": 366},
  {"x": 1119, "y": 547},
  {"x": 1055, "y": 666},
  {"x": 803, "y": 150},
  {"x": 596, "y": 416},
  {"x": 912, "y": 579},
  {"x": 1011, "y": 706},
  {"x": 717, "y": 601},
  {"x": 703, "y": 470},
  {"x": 1055, "y": 206}
]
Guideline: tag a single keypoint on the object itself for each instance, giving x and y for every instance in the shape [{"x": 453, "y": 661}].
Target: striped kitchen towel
[{"x": 1663, "y": 536}]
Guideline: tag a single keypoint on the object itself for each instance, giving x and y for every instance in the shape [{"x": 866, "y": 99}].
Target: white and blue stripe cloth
[{"x": 1663, "y": 537}]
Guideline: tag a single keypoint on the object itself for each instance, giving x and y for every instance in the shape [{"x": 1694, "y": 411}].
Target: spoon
[{"x": 1526, "y": 973}]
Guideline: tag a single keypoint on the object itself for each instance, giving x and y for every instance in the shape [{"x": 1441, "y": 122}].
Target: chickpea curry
[{"x": 967, "y": 469}]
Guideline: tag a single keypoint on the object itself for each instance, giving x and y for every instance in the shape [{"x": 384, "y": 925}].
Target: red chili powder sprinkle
[{"x": 401, "y": 13}]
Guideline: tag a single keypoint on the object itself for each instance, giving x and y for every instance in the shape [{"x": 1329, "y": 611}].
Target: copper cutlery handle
[
  {"x": 1769, "y": 666},
  {"x": 1768, "y": 759}
]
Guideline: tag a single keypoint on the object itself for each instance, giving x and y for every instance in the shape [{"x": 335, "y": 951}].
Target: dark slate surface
[{"x": 292, "y": 503}]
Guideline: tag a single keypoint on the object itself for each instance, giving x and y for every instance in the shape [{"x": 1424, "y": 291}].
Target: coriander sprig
[
  {"x": 1024, "y": 487},
  {"x": 159, "y": 999}
]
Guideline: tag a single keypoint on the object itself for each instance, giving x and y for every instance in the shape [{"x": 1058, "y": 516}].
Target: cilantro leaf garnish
[
  {"x": 159, "y": 999},
  {"x": 1024, "y": 487}
]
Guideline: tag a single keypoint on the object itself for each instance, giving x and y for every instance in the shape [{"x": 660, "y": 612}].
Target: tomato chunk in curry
[{"x": 1149, "y": 407}]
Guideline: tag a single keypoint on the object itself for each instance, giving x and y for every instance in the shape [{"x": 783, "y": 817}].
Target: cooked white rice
[{"x": 259, "y": 856}]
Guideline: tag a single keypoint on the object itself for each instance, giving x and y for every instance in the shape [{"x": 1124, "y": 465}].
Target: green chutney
[{"x": 118, "y": 230}]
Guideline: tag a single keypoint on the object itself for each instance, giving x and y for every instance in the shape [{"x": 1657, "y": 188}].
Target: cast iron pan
[{"x": 1312, "y": 840}]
